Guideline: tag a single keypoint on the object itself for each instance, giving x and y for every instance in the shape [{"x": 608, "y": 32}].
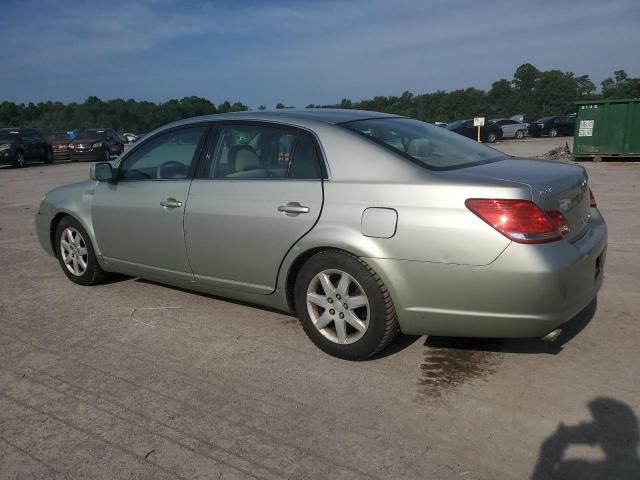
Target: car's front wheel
[
  {"x": 344, "y": 306},
  {"x": 553, "y": 132},
  {"x": 519, "y": 134},
  {"x": 492, "y": 137},
  {"x": 76, "y": 254},
  {"x": 19, "y": 162},
  {"x": 48, "y": 157}
]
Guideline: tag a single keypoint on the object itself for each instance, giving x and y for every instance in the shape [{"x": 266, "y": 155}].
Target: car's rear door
[
  {"x": 259, "y": 192},
  {"x": 138, "y": 220}
]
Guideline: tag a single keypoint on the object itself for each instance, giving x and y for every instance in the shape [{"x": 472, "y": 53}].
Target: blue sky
[{"x": 300, "y": 52}]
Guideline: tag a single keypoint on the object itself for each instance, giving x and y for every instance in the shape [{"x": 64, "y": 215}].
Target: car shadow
[
  {"x": 521, "y": 345},
  {"x": 613, "y": 428},
  {"x": 215, "y": 297},
  {"x": 400, "y": 343}
]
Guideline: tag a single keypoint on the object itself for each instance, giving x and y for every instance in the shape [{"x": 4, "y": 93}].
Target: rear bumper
[
  {"x": 90, "y": 156},
  {"x": 61, "y": 155},
  {"x": 528, "y": 291}
]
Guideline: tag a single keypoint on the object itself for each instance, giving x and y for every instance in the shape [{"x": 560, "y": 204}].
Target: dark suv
[
  {"x": 96, "y": 144},
  {"x": 553, "y": 126},
  {"x": 19, "y": 146}
]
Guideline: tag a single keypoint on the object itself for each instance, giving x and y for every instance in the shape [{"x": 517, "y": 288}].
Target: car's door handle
[
  {"x": 171, "y": 203},
  {"x": 293, "y": 208}
]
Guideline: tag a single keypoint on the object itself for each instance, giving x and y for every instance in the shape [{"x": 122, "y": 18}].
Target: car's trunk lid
[{"x": 555, "y": 186}]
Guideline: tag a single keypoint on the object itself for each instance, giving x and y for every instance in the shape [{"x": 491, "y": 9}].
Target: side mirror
[{"x": 102, "y": 172}]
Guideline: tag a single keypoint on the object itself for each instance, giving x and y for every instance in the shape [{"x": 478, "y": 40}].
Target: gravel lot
[{"x": 136, "y": 380}]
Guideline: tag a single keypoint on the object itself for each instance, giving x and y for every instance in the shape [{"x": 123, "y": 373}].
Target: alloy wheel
[
  {"x": 73, "y": 249},
  {"x": 338, "y": 306},
  {"x": 20, "y": 160}
]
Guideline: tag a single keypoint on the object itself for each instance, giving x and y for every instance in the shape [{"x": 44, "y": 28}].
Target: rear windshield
[
  {"x": 54, "y": 137},
  {"x": 429, "y": 146},
  {"x": 89, "y": 134}
]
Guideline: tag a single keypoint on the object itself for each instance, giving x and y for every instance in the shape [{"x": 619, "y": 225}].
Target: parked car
[
  {"x": 362, "y": 223},
  {"x": 130, "y": 137},
  {"x": 490, "y": 132},
  {"x": 520, "y": 117},
  {"x": 96, "y": 144},
  {"x": 511, "y": 128},
  {"x": 60, "y": 145},
  {"x": 19, "y": 146},
  {"x": 553, "y": 126}
]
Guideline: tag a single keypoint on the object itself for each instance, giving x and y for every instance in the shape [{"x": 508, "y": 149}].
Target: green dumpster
[{"x": 607, "y": 129}]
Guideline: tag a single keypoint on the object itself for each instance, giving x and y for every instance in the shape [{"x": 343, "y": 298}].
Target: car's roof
[{"x": 333, "y": 116}]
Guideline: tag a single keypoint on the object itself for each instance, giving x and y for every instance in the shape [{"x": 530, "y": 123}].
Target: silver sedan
[
  {"x": 511, "y": 128},
  {"x": 363, "y": 224}
]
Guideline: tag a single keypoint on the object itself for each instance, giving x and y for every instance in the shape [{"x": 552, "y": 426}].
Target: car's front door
[
  {"x": 31, "y": 145},
  {"x": 258, "y": 194},
  {"x": 138, "y": 219}
]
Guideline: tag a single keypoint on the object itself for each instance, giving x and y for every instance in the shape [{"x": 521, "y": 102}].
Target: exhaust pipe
[{"x": 552, "y": 336}]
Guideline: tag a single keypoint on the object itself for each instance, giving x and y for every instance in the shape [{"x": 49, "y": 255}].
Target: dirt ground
[{"x": 137, "y": 380}]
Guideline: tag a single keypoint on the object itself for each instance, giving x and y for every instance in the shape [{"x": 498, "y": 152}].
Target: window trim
[
  {"x": 195, "y": 161},
  {"x": 215, "y": 136}
]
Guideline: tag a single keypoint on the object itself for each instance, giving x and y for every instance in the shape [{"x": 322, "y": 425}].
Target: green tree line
[{"x": 531, "y": 92}]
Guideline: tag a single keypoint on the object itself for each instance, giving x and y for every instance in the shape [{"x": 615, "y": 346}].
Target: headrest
[
  {"x": 246, "y": 160},
  {"x": 420, "y": 147}
]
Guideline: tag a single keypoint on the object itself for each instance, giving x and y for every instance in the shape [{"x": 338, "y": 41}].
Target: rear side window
[
  {"x": 305, "y": 162},
  {"x": 260, "y": 152},
  {"x": 427, "y": 145}
]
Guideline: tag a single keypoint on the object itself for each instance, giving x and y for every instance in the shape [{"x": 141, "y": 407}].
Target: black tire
[
  {"x": 492, "y": 137},
  {"x": 107, "y": 155},
  {"x": 93, "y": 274},
  {"x": 48, "y": 157},
  {"x": 383, "y": 321},
  {"x": 520, "y": 134},
  {"x": 596, "y": 159},
  {"x": 20, "y": 161},
  {"x": 553, "y": 132}
]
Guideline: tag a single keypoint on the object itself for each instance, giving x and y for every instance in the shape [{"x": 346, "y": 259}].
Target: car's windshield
[
  {"x": 56, "y": 137},
  {"x": 89, "y": 134},
  {"x": 9, "y": 135},
  {"x": 427, "y": 145}
]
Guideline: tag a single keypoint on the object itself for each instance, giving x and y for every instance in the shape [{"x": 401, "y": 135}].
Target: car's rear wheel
[
  {"x": 48, "y": 157},
  {"x": 76, "y": 254},
  {"x": 19, "y": 163},
  {"x": 492, "y": 137},
  {"x": 344, "y": 306},
  {"x": 519, "y": 134},
  {"x": 553, "y": 132}
]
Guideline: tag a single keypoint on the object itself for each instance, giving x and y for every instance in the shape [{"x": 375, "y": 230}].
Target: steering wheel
[{"x": 172, "y": 169}]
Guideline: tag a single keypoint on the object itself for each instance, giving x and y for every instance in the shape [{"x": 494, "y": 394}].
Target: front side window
[
  {"x": 425, "y": 144},
  {"x": 256, "y": 151},
  {"x": 168, "y": 156}
]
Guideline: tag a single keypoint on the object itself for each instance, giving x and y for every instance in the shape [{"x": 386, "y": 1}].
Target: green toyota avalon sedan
[{"x": 361, "y": 223}]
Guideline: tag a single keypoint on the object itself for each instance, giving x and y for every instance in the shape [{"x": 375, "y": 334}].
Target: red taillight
[
  {"x": 592, "y": 200},
  {"x": 519, "y": 220},
  {"x": 559, "y": 221}
]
